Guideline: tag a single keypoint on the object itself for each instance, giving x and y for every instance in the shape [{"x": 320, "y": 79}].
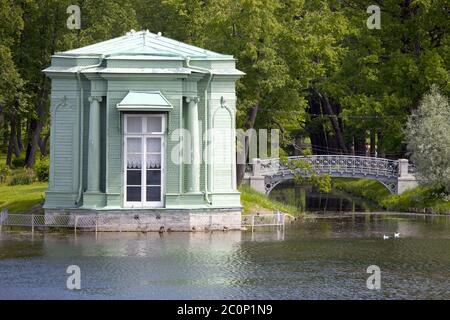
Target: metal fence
[
  {"x": 264, "y": 220},
  {"x": 122, "y": 222},
  {"x": 57, "y": 221}
]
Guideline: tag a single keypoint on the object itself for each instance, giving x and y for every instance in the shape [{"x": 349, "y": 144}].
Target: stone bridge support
[
  {"x": 256, "y": 180},
  {"x": 405, "y": 179}
]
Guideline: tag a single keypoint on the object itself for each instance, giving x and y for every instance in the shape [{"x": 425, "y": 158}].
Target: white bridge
[{"x": 395, "y": 175}]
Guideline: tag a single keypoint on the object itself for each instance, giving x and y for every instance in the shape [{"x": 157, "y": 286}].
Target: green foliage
[
  {"x": 101, "y": 20},
  {"x": 11, "y": 85},
  {"x": 424, "y": 198},
  {"x": 18, "y": 163},
  {"x": 322, "y": 182},
  {"x": 5, "y": 172},
  {"x": 381, "y": 74},
  {"x": 304, "y": 174},
  {"x": 368, "y": 189},
  {"x": 41, "y": 169},
  {"x": 26, "y": 176},
  {"x": 428, "y": 138},
  {"x": 30, "y": 33},
  {"x": 254, "y": 202},
  {"x": 288, "y": 49}
]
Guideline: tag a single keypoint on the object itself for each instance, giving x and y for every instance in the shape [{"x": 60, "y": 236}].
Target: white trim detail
[{"x": 144, "y": 154}]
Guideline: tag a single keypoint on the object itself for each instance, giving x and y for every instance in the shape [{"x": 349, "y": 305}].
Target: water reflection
[{"x": 307, "y": 198}]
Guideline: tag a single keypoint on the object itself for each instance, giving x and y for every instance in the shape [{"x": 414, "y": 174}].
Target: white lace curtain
[
  {"x": 134, "y": 150},
  {"x": 134, "y": 161},
  {"x": 134, "y": 147},
  {"x": 153, "y": 161}
]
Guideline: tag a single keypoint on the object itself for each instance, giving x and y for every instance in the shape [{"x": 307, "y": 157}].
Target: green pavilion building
[{"x": 143, "y": 127}]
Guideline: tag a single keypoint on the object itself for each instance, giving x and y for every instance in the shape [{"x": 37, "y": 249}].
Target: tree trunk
[
  {"x": 299, "y": 149},
  {"x": 36, "y": 126},
  {"x": 360, "y": 145},
  {"x": 11, "y": 143},
  {"x": 334, "y": 122},
  {"x": 249, "y": 124},
  {"x": 43, "y": 144},
  {"x": 34, "y": 144},
  {"x": 2, "y": 117},
  {"x": 13, "y": 138},
  {"x": 5, "y": 136},
  {"x": 19, "y": 134},
  {"x": 380, "y": 148},
  {"x": 29, "y": 133},
  {"x": 16, "y": 146},
  {"x": 372, "y": 143},
  {"x": 314, "y": 127}
]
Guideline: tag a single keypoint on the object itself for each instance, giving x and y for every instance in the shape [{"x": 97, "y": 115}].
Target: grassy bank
[
  {"x": 22, "y": 198},
  {"x": 255, "y": 202},
  {"x": 420, "y": 199}
]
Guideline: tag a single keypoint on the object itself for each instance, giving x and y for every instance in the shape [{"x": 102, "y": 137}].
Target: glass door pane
[
  {"x": 134, "y": 125},
  {"x": 134, "y": 169},
  {"x": 154, "y": 124},
  {"x": 153, "y": 169},
  {"x": 144, "y": 160}
]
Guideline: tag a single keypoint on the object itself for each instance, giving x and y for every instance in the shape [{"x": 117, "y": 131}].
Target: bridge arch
[
  {"x": 390, "y": 186},
  {"x": 395, "y": 175}
]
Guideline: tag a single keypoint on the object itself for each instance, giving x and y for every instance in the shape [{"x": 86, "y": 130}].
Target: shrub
[
  {"x": 41, "y": 169},
  {"x": 421, "y": 197},
  {"x": 5, "y": 172},
  {"x": 428, "y": 139},
  {"x": 26, "y": 176},
  {"x": 18, "y": 163}
]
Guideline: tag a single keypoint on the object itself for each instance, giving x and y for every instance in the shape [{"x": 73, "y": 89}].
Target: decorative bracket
[
  {"x": 95, "y": 98},
  {"x": 192, "y": 99}
]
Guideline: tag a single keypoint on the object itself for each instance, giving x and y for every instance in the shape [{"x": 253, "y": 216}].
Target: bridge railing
[{"x": 335, "y": 164}]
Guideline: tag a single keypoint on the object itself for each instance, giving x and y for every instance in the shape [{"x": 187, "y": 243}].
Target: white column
[
  {"x": 405, "y": 180},
  {"x": 193, "y": 123},
  {"x": 403, "y": 167},
  {"x": 93, "y": 184}
]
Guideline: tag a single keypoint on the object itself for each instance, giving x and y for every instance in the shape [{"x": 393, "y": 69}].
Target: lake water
[
  {"x": 308, "y": 199},
  {"x": 319, "y": 258}
]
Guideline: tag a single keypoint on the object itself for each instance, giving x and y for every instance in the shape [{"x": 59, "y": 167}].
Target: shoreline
[{"x": 418, "y": 200}]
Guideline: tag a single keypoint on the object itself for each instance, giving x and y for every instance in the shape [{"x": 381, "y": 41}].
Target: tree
[
  {"x": 45, "y": 32},
  {"x": 11, "y": 99},
  {"x": 315, "y": 50},
  {"x": 251, "y": 31},
  {"x": 11, "y": 83},
  {"x": 428, "y": 139},
  {"x": 385, "y": 72}
]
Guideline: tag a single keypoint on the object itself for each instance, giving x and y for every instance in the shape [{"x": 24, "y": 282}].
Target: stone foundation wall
[
  {"x": 150, "y": 220},
  {"x": 405, "y": 183}
]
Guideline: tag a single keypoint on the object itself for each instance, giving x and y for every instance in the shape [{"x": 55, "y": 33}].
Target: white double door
[{"x": 144, "y": 160}]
